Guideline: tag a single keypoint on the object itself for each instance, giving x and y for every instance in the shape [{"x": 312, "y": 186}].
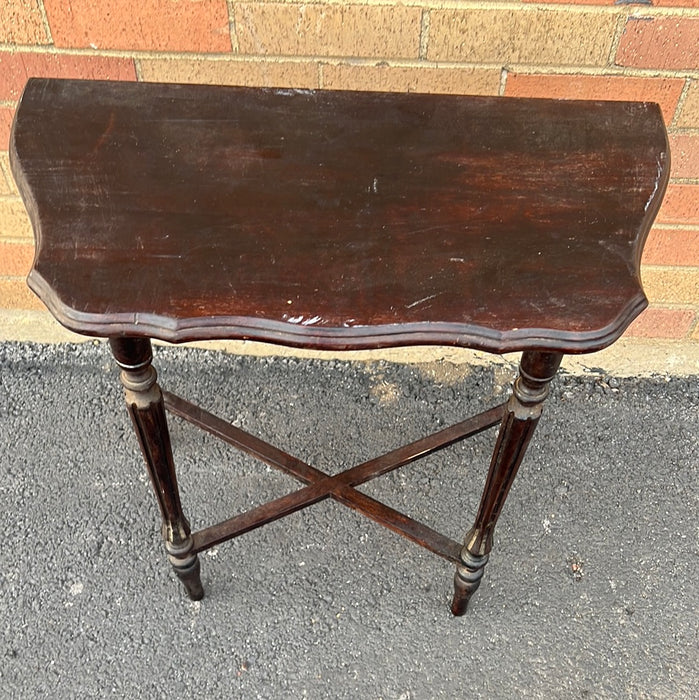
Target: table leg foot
[
  {"x": 467, "y": 579},
  {"x": 186, "y": 566}
]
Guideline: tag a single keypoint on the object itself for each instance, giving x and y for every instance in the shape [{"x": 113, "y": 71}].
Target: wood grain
[{"x": 338, "y": 219}]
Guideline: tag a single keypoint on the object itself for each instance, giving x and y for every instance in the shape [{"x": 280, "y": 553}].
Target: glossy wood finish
[
  {"x": 337, "y": 219},
  {"x": 321, "y": 485},
  {"x": 531, "y": 388},
  {"x": 144, "y": 400}
]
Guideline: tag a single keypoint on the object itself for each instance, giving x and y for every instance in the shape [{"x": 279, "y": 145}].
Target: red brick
[
  {"x": 154, "y": 25},
  {"x": 660, "y": 42},
  {"x": 343, "y": 29},
  {"x": 662, "y": 323},
  {"x": 671, "y": 285},
  {"x": 15, "y": 226},
  {"x": 576, "y": 2},
  {"x": 668, "y": 246},
  {"x": 14, "y": 294},
  {"x": 676, "y": 3},
  {"x": 7, "y": 183},
  {"x": 688, "y": 117},
  {"x": 6, "y": 115},
  {"x": 15, "y": 68},
  {"x": 15, "y": 259},
  {"x": 21, "y": 23},
  {"x": 5, "y": 186},
  {"x": 463, "y": 81},
  {"x": 213, "y": 71},
  {"x": 684, "y": 149},
  {"x": 680, "y": 206},
  {"x": 665, "y": 91},
  {"x": 656, "y": 3},
  {"x": 533, "y": 35}
]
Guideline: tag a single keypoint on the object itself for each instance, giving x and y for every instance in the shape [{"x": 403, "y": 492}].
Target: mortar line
[
  {"x": 424, "y": 34},
  {"x": 683, "y": 130},
  {"x": 641, "y": 10},
  {"x": 503, "y": 81},
  {"x": 671, "y": 268},
  {"x": 681, "y": 101},
  {"x": 45, "y": 21},
  {"x": 5, "y": 170},
  {"x": 684, "y": 181},
  {"x": 137, "y": 69},
  {"x": 601, "y": 71},
  {"x": 671, "y": 306},
  {"x": 619, "y": 30},
  {"x": 537, "y": 69},
  {"x": 677, "y": 227},
  {"x": 15, "y": 240},
  {"x": 232, "y": 28}
]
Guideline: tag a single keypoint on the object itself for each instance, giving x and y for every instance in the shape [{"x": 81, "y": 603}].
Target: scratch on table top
[
  {"x": 104, "y": 135},
  {"x": 655, "y": 186},
  {"x": 421, "y": 301}
]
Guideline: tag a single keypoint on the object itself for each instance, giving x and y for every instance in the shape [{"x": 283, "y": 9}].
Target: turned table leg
[
  {"x": 531, "y": 387},
  {"x": 145, "y": 403}
]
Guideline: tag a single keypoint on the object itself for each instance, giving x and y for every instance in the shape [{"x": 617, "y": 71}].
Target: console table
[{"x": 336, "y": 220}]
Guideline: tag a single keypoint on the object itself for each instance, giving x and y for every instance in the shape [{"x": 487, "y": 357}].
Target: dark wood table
[{"x": 336, "y": 220}]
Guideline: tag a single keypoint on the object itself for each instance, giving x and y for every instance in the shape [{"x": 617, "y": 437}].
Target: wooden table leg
[
  {"x": 145, "y": 403},
  {"x": 524, "y": 408}
]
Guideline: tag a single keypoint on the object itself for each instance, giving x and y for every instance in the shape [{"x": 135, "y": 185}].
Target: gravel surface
[{"x": 591, "y": 590}]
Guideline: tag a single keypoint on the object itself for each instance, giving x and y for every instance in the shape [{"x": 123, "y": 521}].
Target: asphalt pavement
[{"x": 591, "y": 590}]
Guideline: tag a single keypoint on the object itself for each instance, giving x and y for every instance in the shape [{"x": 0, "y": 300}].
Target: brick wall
[{"x": 590, "y": 49}]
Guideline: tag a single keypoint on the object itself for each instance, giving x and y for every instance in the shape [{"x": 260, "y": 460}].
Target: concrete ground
[{"x": 591, "y": 590}]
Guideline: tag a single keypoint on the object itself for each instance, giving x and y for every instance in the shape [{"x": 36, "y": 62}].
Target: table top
[{"x": 337, "y": 219}]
